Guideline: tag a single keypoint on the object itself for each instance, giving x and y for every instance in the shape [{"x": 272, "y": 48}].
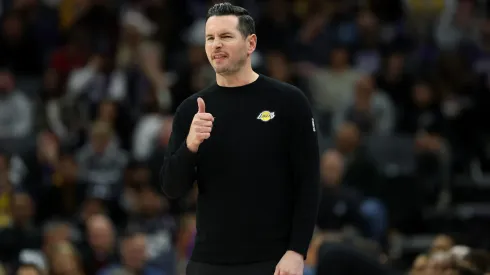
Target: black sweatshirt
[{"x": 257, "y": 175}]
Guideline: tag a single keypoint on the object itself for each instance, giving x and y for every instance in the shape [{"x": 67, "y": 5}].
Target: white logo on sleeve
[{"x": 313, "y": 124}]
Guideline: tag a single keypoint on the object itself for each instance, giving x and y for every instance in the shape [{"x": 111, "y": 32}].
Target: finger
[
  {"x": 201, "y": 107},
  {"x": 204, "y": 116},
  {"x": 203, "y": 136},
  {"x": 206, "y": 123},
  {"x": 203, "y": 129}
]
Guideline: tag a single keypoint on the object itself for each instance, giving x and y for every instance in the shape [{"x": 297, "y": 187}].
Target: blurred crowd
[{"x": 400, "y": 89}]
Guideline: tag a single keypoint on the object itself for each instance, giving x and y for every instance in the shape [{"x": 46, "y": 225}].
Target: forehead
[{"x": 221, "y": 24}]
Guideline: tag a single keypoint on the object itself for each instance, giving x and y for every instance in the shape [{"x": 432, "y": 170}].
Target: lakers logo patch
[{"x": 266, "y": 116}]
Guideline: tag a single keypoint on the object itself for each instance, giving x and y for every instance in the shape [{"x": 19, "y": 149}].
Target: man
[{"x": 252, "y": 148}]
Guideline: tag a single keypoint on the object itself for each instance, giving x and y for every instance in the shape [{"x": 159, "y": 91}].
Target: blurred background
[{"x": 400, "y": 89}]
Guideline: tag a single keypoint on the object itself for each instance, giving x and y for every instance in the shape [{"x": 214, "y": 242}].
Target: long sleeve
[
  {"x": 306, "y": 173},
  {"x": 24, "y": 120},
  {"x": 179, "y": 168},
  {"x": 78, "y": 79}
]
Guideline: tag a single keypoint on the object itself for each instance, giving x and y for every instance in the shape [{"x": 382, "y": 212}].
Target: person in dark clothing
[
  {"x": 344, "y": 259},
  {"x": 340, "y": 206},
  {"x": 252, "y": 148}
]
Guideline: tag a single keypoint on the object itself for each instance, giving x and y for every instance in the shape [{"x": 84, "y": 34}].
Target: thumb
[{"x": 201, "y": 107}]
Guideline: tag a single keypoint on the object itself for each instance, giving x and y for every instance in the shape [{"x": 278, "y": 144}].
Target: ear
[{"x": 252, "y": 43}]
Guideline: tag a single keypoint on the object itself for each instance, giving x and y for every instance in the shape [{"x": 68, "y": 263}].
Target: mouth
[{"x": 219, "y": 56}]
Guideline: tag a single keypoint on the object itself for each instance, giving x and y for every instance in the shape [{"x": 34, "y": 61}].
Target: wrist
[
  {"x": 295, "y": 254},
  {"x": 191, "y": 148}
]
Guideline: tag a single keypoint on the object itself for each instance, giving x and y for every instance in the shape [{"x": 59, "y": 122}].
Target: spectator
[
  {"x": 16, "y": 117},
  {"x": 342, "y": 206},
  {"x": 370, "y": 109},
  {"x": 100, "y": 250},
  {"x": 102, "y": 163},
  {"x": 64, "y": 260},
  {"x": 134, "y": 257},
  {"x": 394, "y": 79},
  {"x": 22, "y": 233},
  {"x": 419, "y": 265},
  {"x": 18, "y": 49},
  {"x": 341, "y": 79},
  {"x": 424, "y": 113},
  {"x": 159, "y": 228},
  {"x": 360, "y": 170},
  {"x": 5, "y": 194}
]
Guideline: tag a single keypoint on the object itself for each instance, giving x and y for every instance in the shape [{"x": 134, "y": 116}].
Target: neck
[{"x": 243, "y": 77}]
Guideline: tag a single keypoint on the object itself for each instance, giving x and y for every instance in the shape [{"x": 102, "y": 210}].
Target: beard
[{"x": 232, "y": 67}]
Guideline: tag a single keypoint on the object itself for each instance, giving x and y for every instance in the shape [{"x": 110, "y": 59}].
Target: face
[
  {"x": 396, "y": 63},
  {"x": 365, "y": 86},
  {"x": 441, "y": 243},
  {"x": 27, "y": 270},
  {"x": 134, "y": 251},
  {"x": 50, "y": 80},
  {"x": 347, "y": 138},
  {"x": 6, "y": 82},
  {"x": 91, "y": 207},
  {"x": 339, "y": 57},
  {"x": 419, "y": 265},
  {"x": 422, "y": 95},
  {"x": 22, "y": 207},
  {"x": 332, "y": 168},
  {"x": 64, "y": 263},
  {"x": 107, "y": 111},
  {"x": 12, "y": 28},
  {"x": 68, "y": 168},
  {"x": 100, "y": 235},
  {"x": 485, "y": 28},
  {"x": 367, "y": 20},
  {"x": 4, "y": 163},
  {"x": 278, "y": 66},
  {"x": 48, "y": 147},
  {"x": 364, "y": 89},
  {"x": 226, "y": 48},
  {"x": 151, "y": 203},
  {"x": 57, "y": 235}
]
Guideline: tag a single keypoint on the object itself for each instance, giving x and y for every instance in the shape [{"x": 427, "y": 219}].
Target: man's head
[
  {"x": 7, "y": 82},
  {"x": 100, "y": 233},
  {"x": 347, "y": 138},
  {"x": 230, "y": 38},
  {"x": 151, "y": 204},
  {"x": 332, "y": 168},
  {"x": 133, "y": 250},
  {"x": 22, "y": 208},
  {"x": 101, "y": 136},
  {"x": 28, "y": 269}
]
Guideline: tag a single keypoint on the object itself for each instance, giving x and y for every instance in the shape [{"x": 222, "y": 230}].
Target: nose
[{"x": 217, "y": 44}]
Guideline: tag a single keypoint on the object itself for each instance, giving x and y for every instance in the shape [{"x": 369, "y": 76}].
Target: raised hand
[{"x": 201, "y": 127}]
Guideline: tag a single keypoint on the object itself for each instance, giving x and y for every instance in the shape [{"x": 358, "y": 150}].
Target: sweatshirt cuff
[
  {"x": 298, "y": 248},
  {"x": 185, "y": 153}
]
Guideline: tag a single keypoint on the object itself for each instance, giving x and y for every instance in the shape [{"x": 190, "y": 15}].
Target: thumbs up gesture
[{"x": 201, "y": 127}]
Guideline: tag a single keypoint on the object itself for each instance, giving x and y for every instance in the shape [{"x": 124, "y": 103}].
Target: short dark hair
[{"x": 246, "y": 24}]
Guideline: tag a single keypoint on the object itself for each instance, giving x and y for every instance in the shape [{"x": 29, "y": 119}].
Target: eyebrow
[{"x": 225, "y": 33}]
